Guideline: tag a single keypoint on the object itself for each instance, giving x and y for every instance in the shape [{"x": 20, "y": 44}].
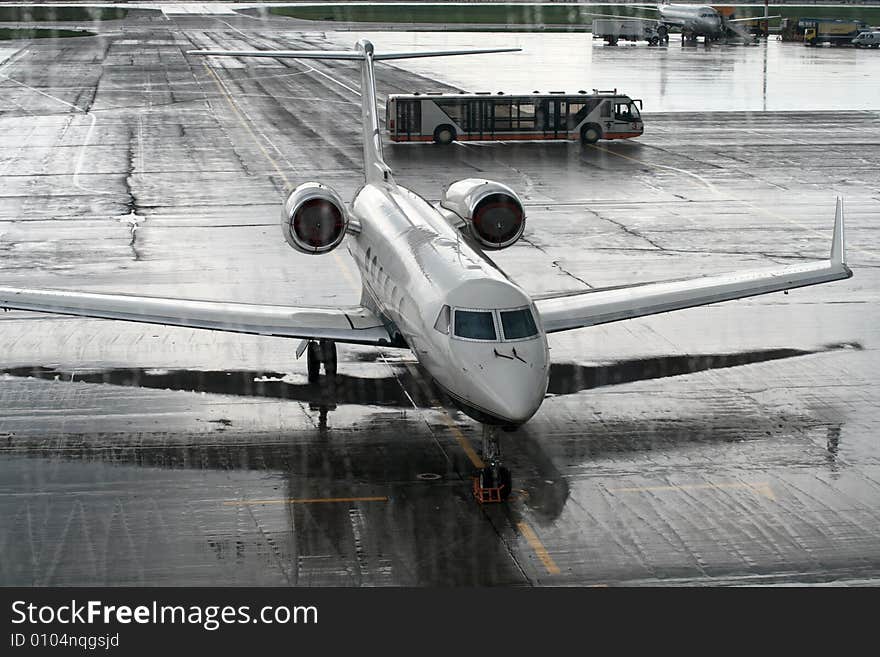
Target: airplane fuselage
[
  {"x": 414, "y": 264},
  {"x": 699, "y": 20}
]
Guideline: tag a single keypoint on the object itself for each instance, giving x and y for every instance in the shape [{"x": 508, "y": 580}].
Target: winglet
[{"x": 838, "y": 248}]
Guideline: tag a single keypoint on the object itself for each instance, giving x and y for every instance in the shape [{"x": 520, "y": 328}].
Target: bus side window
[
  {"x": 574, "y": 110},
  {"x": 452, "y": 109},
  {"x": 468, "y": 108},
  {"x": 527, "y": 116},
  {"x": 502, "y": 115},
  {"x": 580, "y": 110},
  {"x": 409, "y": 116},
  {"x": 606, "y": 109}
]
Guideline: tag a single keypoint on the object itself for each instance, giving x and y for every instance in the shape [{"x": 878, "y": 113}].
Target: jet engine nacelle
[
  {"x": 493, "y": 211},
  {"x": 314, "y": 219}
]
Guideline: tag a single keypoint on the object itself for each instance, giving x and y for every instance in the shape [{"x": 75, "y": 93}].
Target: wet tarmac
[{"x": 733, "y": 444}]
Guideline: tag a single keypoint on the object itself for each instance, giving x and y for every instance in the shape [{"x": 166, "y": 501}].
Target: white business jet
[{"x": 476, "y": 332}]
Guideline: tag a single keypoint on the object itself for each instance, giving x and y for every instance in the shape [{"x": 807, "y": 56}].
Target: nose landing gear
[
  {"x": 320, "y": 352},
  {"x": 492, "y": 483}
]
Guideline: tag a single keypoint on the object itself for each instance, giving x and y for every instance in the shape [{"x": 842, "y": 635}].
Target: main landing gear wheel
[
  {"x": 493, "y": 482},
  {"x": 318, "y": 353}
]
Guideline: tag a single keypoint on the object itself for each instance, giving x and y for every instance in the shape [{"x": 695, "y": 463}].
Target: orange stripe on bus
[{"x": 514, "y": 136}]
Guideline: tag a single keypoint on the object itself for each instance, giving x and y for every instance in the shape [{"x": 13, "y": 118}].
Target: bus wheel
[
  {"x": 654, "y": 41},
  {"x": 444, "y": 134},
  {"x": 591, "y": 133}
]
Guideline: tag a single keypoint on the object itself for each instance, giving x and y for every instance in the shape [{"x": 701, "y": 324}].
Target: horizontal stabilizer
[
  {"x": 375, "y": 168},
  {"x": 343, "y": 54},
  {"x": 440, "y": 53},
  {"x": 281, "y": 54}
]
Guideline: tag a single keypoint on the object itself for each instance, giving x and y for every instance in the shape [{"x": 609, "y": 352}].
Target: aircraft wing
[
  {"x": 644, "y": 19},
  {"x": 751, "y": 18},
  {"x": 563, "y": 312},
  {"x": 354, "y": 324}
]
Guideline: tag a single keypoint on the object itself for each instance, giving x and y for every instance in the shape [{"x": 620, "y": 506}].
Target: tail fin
[{"x": 375, "y": 168}]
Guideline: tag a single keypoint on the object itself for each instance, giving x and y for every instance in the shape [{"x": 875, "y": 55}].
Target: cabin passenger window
[
  {"x": 474, "y": 325},
  {"x": 518, "y": 324},
  {"x": 442, "y": 323}
]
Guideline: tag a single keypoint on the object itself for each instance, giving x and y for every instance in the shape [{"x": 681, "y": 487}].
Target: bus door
[
  {"x": 479, "y": 119},
  {"x": 553, "y": 121},
  {"x": 627, "y": 118},
  {"x": 409, "y": 119}
]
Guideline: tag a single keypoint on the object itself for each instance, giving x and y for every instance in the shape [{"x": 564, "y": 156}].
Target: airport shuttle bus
[{"x": 443, "y": 118}]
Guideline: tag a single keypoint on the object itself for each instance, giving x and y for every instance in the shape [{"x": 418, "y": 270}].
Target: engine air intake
[
  {"x": 498, "y": 221},
  {"x": 493, "y": 212},
  {"x": 314, "y": 219}
]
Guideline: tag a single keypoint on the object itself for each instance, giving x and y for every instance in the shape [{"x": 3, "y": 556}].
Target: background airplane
[
  {"x": 480, "y": 336},
  {"x": 694, "y": 21}
]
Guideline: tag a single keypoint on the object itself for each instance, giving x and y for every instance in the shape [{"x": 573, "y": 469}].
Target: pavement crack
[
  {"x": 556, "y": 263},
  {"x": 132, "y": 220},
  {"x": 629, "y": 231}
]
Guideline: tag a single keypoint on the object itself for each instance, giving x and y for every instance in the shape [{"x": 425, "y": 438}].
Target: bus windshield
[{"x": 625, "y": 110}]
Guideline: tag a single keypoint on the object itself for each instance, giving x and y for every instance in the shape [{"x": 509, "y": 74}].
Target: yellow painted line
[
  {"x": 538, "y": 547},
  {"x": 462, "y": 440},
  {"x": 307, "y": 500},
  {"x": 232, "y": 104},
  {"x": 457, "y": 433},
  {"x": 759, "y": 488}
]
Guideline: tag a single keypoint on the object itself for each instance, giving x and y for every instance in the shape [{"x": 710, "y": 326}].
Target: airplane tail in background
[{"x": 375, "y": 168}]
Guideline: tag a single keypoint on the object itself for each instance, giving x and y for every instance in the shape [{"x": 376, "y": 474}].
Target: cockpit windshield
[
  {"x": 474, "y": 325},
  {"x": 518, "y": 324},
  {"x": 514, "y": 324}
]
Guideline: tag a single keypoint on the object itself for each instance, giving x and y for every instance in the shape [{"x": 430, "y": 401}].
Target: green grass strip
[
  {"x": 48, "y": 13},
  {"x": 528, "y": 15}
]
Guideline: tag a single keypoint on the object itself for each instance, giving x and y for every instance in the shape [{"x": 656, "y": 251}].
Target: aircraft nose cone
[{"x": 513, "y": 390}]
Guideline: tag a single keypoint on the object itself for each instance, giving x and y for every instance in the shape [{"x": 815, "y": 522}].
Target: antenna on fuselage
[{"x": 375, "y": 168}]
